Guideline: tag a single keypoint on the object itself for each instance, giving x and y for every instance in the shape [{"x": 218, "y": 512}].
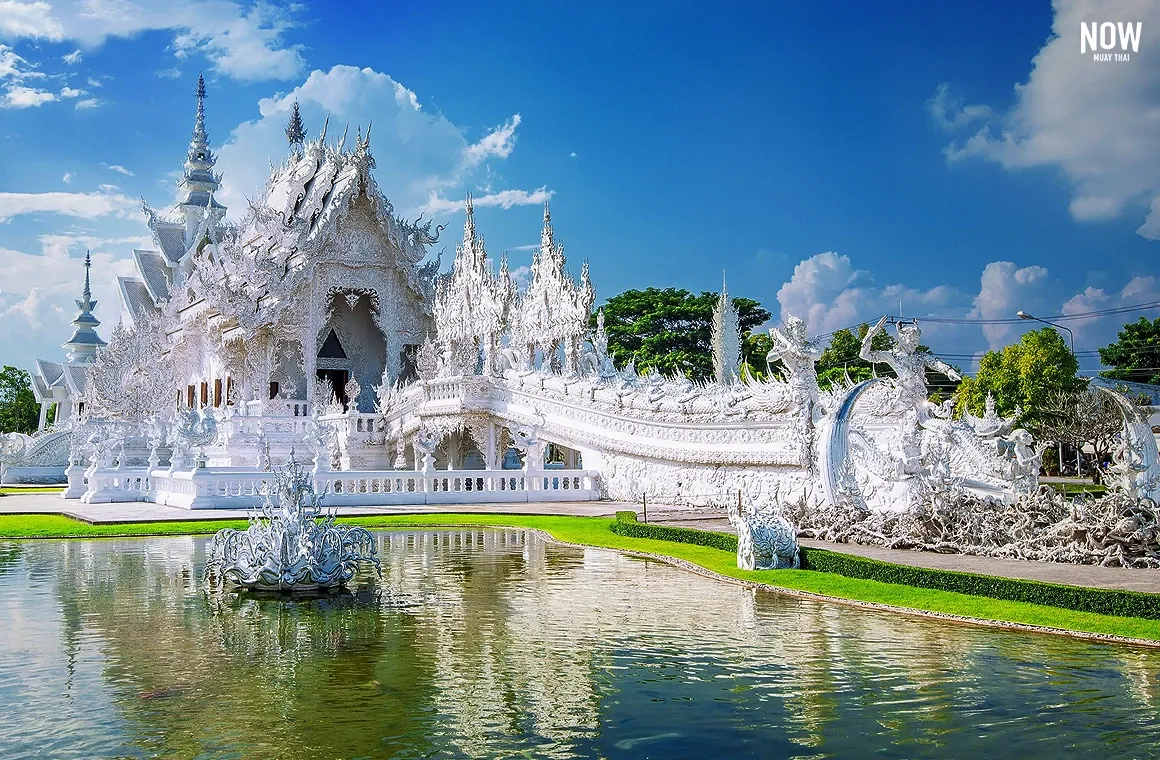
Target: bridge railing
[{"x": 236, "y": 488}]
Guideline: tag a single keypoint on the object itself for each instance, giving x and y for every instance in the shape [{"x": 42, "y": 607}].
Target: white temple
[{"x": 319, "y": 323}]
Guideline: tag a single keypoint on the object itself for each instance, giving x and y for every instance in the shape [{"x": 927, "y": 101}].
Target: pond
[{"x": 489, "y": 643}]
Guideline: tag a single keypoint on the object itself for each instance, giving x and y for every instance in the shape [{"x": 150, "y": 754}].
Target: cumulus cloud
[
  {"x": 423, "y": 157},
  {"x": 19, "y": 96},
  {"x": 73, "y": 58},
  {"x": 81, "y": 205},
  {"x": 87, "y": 103},
  {"x": 1095, "y": 121},
  {"x": 28, "y": 20},
  {"x": 1100, "y": 332},
  {"x": 67, "y": 178},
  {"x": 1004, "y": 290},
  {"x": 829, "y": 293},
  {"x": 240, "y": 39},
  {"x": 70, "y": 92}
]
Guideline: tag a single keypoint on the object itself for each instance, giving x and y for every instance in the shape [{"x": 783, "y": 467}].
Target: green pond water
[{"x": 486, "y": 643}]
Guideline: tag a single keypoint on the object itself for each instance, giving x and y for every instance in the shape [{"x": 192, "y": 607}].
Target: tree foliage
[
  {"x": 1135, "y": 356},
  {"x": 19, "y": 412},
  {"x": 1024, "y": 375},
  {"x": 840, "y": 359},
  {"x": 671, "y": 329}
]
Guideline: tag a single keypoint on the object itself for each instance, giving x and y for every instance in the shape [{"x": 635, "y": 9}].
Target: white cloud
[
  {"x": 1100, "y": 332},
  {"x": 830, "y": 294},
  {"x": 504, "y": 199},
  {"x": 82, "y": 205},
  {"x": 170, "y": 73},
  {"x": 19, "y": 96},
  {"x": 1094, "y": 121},
  {"x": 69, "y": 92},
  {"x": 87, "y": 103},
  {"x": 521, "y": 277},
  {"x": 119, "y": 169},
  {"x": 242, "y": 40},
  {"x": 1004, "y": 290},
  {"x": 949, "y": 111},
  {"x": 73, "y": 58},
  {"x": 35, "y": 310},
  {"x": 28, "y": 20},
  {"x": 423, "y": 157},
  {"x": 12, "y": 66},
  {"x": 573, "y": 154},
  {"x": 499, "y": 143},
  {"x": 67, "y": 178},
  {"x": 94, "y": 83}
]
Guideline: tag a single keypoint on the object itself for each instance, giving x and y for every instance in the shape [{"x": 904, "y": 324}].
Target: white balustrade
[
  {"x": 112, "y": 484},
  {"x": 237, "y": 488}
]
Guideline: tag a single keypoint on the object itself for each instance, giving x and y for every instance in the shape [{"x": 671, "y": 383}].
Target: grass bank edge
[{"x": 594, "y": 532}]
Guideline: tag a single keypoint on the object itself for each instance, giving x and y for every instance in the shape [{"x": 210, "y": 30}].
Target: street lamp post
[
  {"x": 1071, "y": 342},
  {"x": 1070, "y": 334}
]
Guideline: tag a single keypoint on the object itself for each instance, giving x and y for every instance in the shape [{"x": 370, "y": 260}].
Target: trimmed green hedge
[
  {"x": 625, "y": 515},
  {"x": 1104, "y": 601},
  {"x": 723, "y": 541}
]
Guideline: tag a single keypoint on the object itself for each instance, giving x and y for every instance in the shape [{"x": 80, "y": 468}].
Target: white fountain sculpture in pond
[{"x": 291, "y": 545}]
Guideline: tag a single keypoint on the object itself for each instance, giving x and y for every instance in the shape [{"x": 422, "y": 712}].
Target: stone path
[
  {"x": 1049, "y": 572},
  {"x": 705, "y": 519},
  {"x": 137, "y": 511}
]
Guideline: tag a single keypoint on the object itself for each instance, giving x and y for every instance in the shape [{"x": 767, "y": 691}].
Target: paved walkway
[
  {"x": 138, "y": 511},
  {"x": 1049, "y": 572},
  {"x": 705, "y": 519}
]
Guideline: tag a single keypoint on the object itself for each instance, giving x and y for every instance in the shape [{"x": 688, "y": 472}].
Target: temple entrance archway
[{"x": 351, "y": 347}]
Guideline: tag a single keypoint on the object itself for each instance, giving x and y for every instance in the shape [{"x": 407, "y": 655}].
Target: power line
[{"x": 1012, "y": 320}]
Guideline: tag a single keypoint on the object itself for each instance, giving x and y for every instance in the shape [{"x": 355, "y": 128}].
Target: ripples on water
[{"x": 491, "y": 644}]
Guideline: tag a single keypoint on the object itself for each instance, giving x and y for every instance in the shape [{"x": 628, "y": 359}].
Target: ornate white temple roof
[
  {"x": 136, "y": 299},
  {"x": 157, "y": 277}
]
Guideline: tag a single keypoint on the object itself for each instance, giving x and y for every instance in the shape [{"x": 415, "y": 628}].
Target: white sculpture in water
[{"x": 290, "y": 545}]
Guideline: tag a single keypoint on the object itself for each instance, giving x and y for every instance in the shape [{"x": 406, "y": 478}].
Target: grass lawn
[
  {"x": 4, "y": 490},
  {"x": 593, "y": 531}
]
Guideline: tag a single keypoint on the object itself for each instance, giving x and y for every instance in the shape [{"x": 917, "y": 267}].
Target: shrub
[
  {"x": 722, "y": 541},
  {"x": 625, "y": 515},
  {"x": 1103, "y": 601}
]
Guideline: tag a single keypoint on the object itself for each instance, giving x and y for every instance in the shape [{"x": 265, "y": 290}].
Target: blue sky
[{"x": 834, "y": 159}]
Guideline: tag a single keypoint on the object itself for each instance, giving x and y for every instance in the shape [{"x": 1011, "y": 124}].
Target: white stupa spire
[{"x": 84, "y": 343}]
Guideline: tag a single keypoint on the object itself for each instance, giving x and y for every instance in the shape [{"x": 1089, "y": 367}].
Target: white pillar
[{"x": 43, "y": 413}]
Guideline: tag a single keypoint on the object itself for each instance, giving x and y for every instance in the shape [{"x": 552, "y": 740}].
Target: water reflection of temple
[{"x": 485, "y": 642}]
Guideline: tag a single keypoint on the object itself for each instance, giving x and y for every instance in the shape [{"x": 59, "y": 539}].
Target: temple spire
[
  {"x": 295, "y": 131},
  {"x": 84, "y": 343},
  {"x": 199, "y": 182}
]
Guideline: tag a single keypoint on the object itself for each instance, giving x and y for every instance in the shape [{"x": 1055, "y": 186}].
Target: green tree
[
  {"x": 671, "y": 329},
  {"x": 1024, "y": 375},
  {"x": 841, "y": 358},
  {"x": 19, "y": 412},
  {"x": 1135, "y": 356}
]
